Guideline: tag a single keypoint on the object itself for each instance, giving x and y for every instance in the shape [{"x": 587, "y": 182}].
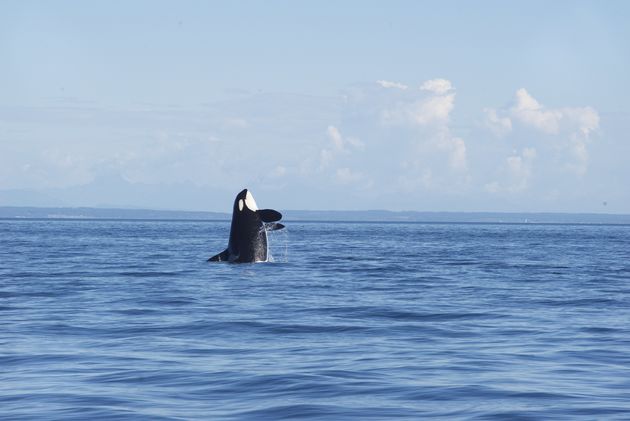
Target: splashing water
[{"x": 278, "y": 246}]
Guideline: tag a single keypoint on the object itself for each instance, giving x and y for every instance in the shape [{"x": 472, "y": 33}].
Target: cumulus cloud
[
  {"x": 338, "y": 145},
  {"x": 498, "y": 125},
  {"x": 434, "y": 110},
  {"x": 568, "y": 128},
  {"x": 373, "y": 143},
  {"x": 531, "y": 113},
  {"x": 457, "y": 153},
  {"x": 437, "y": 86},
  {"x": 343, "y": 143},
  {"x": 579, "y": 153},
  {"x": 391, "y": 85},
  {"x": 428, "y": 115},
  {"x": 585, "y": 119},
  {"x": 515, "y": 173}
]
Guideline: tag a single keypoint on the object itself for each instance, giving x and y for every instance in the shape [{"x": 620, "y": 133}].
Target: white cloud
[
  {"x": 500, "y": 126},
  {"x": 457, "y": 159},
  {"x": 433, "y": 110},
  {"x": 516, "y": 173},
  {"x": 437, "y": 86},
  {"x": 568, "y": 128},
  {"x": 531, "y": 113},
  {"x": 389, "y": 85},
  {"x": 577, "y": 149},
  {"x": 585, "y": 119},
  {"x": 553, "y": 120},
  {"x": 422, "y": 112},
  {"x": 343, "y": 143},
  {"x": 340, "y": 145},
  {"x": 429, "y": 115},
  {"x": 369, "y": 146},
  {"x": 519, "y": 170}
]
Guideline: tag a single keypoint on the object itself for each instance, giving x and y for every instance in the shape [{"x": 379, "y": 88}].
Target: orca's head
[{"x": 244, "y": 202}]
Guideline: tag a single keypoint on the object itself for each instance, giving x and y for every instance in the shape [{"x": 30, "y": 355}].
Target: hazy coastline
[{"x": 23, "y": 212}]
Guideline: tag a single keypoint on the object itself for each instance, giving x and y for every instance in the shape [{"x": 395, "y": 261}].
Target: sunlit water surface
[{"x": 127, "y": 320}]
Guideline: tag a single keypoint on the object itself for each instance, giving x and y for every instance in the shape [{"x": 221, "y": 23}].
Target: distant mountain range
[{"x": 10, "y": 212}]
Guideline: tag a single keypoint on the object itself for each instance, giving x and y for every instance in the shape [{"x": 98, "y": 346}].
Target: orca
[{"x": 248, "y": 232}]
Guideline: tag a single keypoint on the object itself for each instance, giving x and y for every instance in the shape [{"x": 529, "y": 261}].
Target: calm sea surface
[{"x": 126, "y": 320}]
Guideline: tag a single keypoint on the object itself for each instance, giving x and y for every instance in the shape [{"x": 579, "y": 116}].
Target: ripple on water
[{"x": 126, "y": 320}]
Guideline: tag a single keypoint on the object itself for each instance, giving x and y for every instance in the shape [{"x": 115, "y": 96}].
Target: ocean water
[{"x": 353, "y": 321}]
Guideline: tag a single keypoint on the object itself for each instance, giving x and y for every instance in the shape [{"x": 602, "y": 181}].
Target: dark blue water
[{"x": 126, "y": 320}]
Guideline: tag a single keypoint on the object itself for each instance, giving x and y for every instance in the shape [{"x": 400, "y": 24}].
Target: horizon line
[{"x": 147, "y": 209}]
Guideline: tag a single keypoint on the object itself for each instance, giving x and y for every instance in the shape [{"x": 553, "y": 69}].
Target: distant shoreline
[{"x": 86, "y": 213}]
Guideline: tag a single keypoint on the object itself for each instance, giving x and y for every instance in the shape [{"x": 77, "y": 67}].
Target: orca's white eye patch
[
  {"x": 240, "y": 204},
  {"x": 250, "y": 202}
]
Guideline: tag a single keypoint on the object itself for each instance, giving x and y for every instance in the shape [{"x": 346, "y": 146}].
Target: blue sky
[{"x": 464, "y": 106}]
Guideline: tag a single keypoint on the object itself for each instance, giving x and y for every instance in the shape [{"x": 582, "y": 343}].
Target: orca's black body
[{"x": 248, "y": 233}]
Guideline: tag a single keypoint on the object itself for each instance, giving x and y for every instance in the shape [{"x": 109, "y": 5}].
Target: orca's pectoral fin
[
  {"x": 269, "y": 215},
  {"x": 224, "y": 256},
  {"x": 273, "y": 226}
]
